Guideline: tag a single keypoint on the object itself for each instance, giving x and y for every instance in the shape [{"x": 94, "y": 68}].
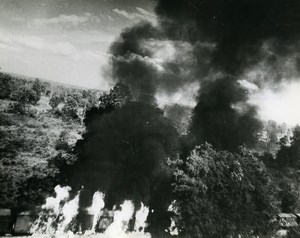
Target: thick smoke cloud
[
  {"x": 124, "y": 154},
  {"x": 218, "y": 122},
  {"x": 146, "y": 60},
  {"x": 225, "y": 42},
  {"x": 239, "y": 28},
  {"x": 131, "y": 64}
]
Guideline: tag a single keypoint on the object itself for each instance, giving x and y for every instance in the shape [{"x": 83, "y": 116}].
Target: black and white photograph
[{"x": 150, "y": 118}]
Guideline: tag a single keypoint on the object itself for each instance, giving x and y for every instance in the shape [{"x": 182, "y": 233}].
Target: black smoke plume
[
  {"x": 222, "y": 41},
  {"x": 123, "y": 154},
  {"x": 216, "y": 121}
]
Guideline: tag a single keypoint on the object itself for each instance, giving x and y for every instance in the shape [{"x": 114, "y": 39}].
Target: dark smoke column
[
  {"x": 124, "y": 153},
  {"x": 239, "y": 30}
]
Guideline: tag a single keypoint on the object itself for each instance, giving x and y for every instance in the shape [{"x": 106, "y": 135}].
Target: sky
[
  {"x": 65, "y": 40},
  {"x": 68, "y": 41}
]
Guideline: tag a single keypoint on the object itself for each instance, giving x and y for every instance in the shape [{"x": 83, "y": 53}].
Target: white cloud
[
  {"x": 36, "y": 43},
  {"x": 145, "y": 12},
  {"x": 9, "y": 48},
  {"x": 67, "y": 19},
  {"x": 124, "y": 13},
  {"x": 140, "y": 14}
]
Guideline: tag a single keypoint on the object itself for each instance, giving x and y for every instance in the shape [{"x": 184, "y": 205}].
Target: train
[{"x": 21, "y": 223}]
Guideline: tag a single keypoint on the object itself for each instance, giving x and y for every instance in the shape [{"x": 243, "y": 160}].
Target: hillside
[{"x": 30, "y": 139}]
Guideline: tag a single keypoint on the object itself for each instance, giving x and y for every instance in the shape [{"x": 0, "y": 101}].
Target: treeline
[{"x": 64, "y": 101}]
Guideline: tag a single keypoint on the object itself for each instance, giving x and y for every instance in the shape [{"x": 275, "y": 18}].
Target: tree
[
  {"x": 289, "y": 156},
  {"x": 222, "y": 194},
  {"x": 38, "y": 87},
  {"x": 91, "y": 98},
  {"x": 118, "y": 96},
  {"x": 55, "y": 100},
  {"x": 271, "y": 136},
  {"x": 69, "y": 110},
  {"x": 289, "y": 199},
  {"x": 25, "y": 97},
  {"x": 6, "y": 86}
]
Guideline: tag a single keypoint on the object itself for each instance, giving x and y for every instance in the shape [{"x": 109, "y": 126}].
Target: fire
[
  {"x": 58, "y": 217},
  {"x": 96, "y": 208}
]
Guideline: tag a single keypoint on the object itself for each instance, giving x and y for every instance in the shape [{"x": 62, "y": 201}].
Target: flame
[
  {"x": 141, "y": 218},
  {"x": 59, "y": 213},
  {"x": 173, "y": 230},
  {"x": 96, "y": 209}
]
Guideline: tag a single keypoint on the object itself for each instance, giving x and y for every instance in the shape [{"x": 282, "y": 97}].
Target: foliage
[
  {"x": 38, "y": 87},
  {"x": 6, "y": 86},
  {"x": 289, "y": 199},
  {"x": 69, "y": 110},
  {"x": 220, "y": 194},
  {"x": 27, "y": 146},
  {"x": 24, "y": 97},
  {"x": 270, "y": 137},
  {"x": 62, "y": 142},
  {"x": 91, "y": 98},
  {"x": 55, "y": 100},
  {"x": 118, "y": 96},
  {"x": 289, "y": 156}
]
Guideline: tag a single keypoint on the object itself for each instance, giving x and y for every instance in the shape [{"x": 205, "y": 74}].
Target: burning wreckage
[
  {"x": 21, "y": 223},
  {"x": 41, "y": 222},
  {"x": 60, "y": 215}
]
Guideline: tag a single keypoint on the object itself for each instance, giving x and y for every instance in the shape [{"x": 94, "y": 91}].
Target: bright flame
[
  {"x": 59, "y": 213},
  {"x": 96, "y": 208},
  {"x": 173, "y": 230},
  {"x": 141, "y": 218},
  {"x": 121, "y": 220},
  {"x": 69, "y": 212}
]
